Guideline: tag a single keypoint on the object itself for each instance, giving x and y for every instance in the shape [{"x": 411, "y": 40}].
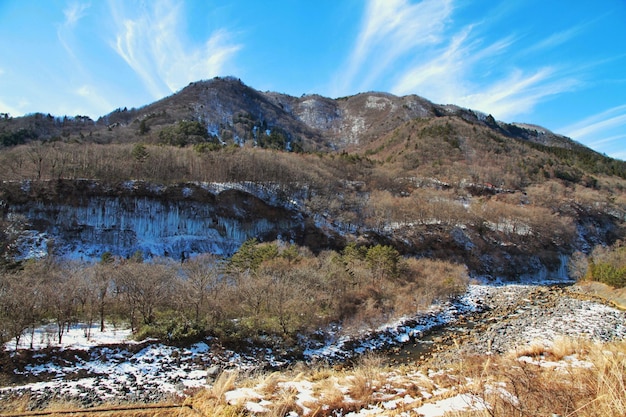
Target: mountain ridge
[
  {"x": 322, "y": 123},
  {"x": 443, "y": 182}
]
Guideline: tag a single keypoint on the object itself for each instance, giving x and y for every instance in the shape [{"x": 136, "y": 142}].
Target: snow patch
[
  {"x": 79, "y": 337},
  {"x": 458, "y": 403}
]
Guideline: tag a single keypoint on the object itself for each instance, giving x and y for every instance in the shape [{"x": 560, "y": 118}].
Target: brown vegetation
[
  {"x": 571, "y": 378},
  {"x": 439, "y": 184},
  {"x": 606, "y": 265},
  {"x": 268, "y": 293},
  {"x": 514, "y": 387}
]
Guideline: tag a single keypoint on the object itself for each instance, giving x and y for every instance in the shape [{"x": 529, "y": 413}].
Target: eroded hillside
[{"x": 506, "y": 200}]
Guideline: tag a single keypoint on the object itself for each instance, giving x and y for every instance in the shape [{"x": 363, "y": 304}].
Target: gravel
[
  {"x": 488, "y": 319},
  {"x": 517, "y": 315}
]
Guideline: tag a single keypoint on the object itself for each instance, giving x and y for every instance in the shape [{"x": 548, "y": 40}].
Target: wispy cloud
[
  {"x": 557, "y": 39},
  {"x": 152, "y": 45},
  {"x": 391, "y": 28},
  {"x": 594, "y": 126},
  {"x": 603, "y": 131},
  {"x": 608, "y": 141},
  {"x": 518, "y": 93},
  {"x": 95, "y": 99},
  {"x": 5, "y": 108},
  {"x": 74, "y": 12},
  {"x": 434, "y": 57},
  {"x": 442, "y": 77}
]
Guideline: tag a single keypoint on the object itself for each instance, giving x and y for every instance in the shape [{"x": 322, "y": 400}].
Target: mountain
[
  {"x": 220, "y": 162},
  {"x": 228, "y": 108}
]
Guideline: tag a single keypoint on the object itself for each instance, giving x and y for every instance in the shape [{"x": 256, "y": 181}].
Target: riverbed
[{"x": 490, "y": 319}]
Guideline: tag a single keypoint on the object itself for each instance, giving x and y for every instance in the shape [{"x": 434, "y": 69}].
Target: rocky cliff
[{"x": 84, "y": 219}]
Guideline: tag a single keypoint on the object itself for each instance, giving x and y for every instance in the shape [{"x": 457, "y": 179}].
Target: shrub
[
  {"x": 609, "y": 274},
  {"x": 172, "y": 328},
  {"x": 139, "y": 152},
  {"x": 608, "y": 265},
  {"x": 184, "y": 133}
]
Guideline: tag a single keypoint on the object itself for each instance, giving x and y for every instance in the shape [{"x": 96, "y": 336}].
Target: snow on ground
[
  {"x": 461, "y": 402},
  {"x": 588, "y": 321},
  {"x": 402, "y": 330},
  {"x": 114, "y": 372},
  {"x": 79, "y": 337},
  {"x": 390, "y": 393},
  {"x": 146, "y": 371}
]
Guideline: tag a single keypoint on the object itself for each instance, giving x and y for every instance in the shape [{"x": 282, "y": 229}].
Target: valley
[
  {"x": 487, "y": 319},
  {"x": 235, "y": 247}
]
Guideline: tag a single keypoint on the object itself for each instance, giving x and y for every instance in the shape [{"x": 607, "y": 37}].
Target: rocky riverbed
[
  {"x": 515, "y": 316},
  {"x": 488, "y": 319}
]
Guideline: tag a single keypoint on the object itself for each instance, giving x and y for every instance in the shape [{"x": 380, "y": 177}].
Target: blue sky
[{"x": 560, "y": 64}]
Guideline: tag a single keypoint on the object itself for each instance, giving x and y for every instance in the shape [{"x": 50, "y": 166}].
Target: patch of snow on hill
[{"x": 79, "y": 336}]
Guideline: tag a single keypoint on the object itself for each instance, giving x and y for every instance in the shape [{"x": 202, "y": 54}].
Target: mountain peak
[{"x": 232, "y": 111}]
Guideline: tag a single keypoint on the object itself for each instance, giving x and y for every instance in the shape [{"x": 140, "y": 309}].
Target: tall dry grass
[{"x": 573, "y": 378}]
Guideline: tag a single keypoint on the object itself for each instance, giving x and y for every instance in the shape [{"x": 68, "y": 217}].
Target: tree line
[{"x": 266, "y": 293}]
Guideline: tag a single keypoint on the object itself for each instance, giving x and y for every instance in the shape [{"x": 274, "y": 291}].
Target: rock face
[
  {"x": 176, "y": 222},
  {"x": 83, "y": 219},
  {"x": 230, "y": 108}
]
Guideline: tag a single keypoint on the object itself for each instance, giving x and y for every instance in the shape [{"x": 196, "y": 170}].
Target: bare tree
[
  {"x": 61, "y": 295},
  {"x": 37, "y": 155},
  {"x": 17, "y": 306},
  {"x": 145, "y": 287},
  {"x": 201, "y": 284}
]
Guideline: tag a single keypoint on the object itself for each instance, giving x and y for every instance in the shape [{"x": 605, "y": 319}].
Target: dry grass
[
  {"x": 15, "y": 405},
  {"x": 564, "y": 346},
  {"x": 558, "y": 349},
  {"x": 594, "y": 387},
  {"x": 211, "y": 402},
  {"x": 535, "y": 349},
  {"x": 284, "y": 403},
  {"x": 571, "y": 377},
  {"x": 366, "y": 378}
]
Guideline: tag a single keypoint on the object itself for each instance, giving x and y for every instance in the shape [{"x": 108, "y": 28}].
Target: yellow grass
[{"x": 592, "y": 385}]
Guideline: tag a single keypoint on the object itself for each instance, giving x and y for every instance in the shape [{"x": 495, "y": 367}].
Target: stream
[
  {"x": 517, "y": 315},
  {"x": 487, "y": 319}
]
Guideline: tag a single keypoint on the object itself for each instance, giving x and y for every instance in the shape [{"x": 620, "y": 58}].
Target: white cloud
[
  {"x": 152, "y": 45},
  {"x": 607, "y": 141},
  {"x": 619, "y": 155},
  {"x": 603, "y": 131},
  {"x": 390, "y": 29},
  {"x": 449, "y": 63},
  {"x": 5, "y": 108},
  {"x": 446, "y": 78},
  {"x": 518, "y": 93},
  {"x": 594, "y": 125},
  {"x": 557, "y": 39},
  {"x": 74, "y": 12},
  {"x": 96, "y": 101}
]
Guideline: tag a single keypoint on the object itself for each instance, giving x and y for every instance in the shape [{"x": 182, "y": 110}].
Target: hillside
[
  {"x": 224, "y": 227},
  {"x": 232, "y": 111},
  {"x": 506, "y": 200}
]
